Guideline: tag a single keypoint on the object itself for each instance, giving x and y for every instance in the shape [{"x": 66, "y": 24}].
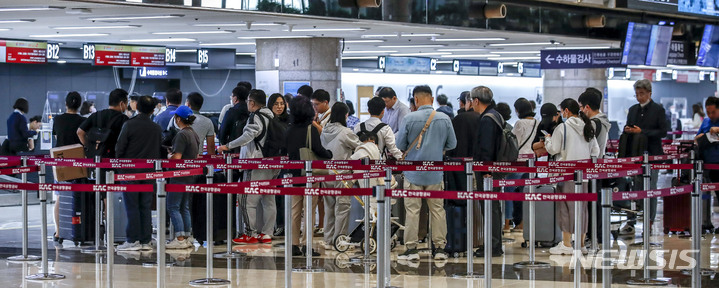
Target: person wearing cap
[
  {"x": 251, "y": 141},
  {"x": 463, "y": 102},
  {"x": 550, "y": 120},
  {"x": 139, "y": 138},
  {"x": 185, "y": 146}
]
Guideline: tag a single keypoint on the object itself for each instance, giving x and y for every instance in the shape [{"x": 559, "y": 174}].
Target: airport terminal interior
[{"x": 488, "y": 55}]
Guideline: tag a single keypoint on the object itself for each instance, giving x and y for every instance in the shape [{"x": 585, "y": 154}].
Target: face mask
[{"x": 564, "y": 119}]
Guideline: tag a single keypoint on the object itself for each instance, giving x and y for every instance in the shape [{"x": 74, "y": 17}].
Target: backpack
[
  {"x": 275, "y": 131},
  {"x": 98, "y": 136},
  {"x": 597, "y": 128},
  {"x": 237, "y": 128},
  {"x": 508, "y": 147},
  {"x": 375, "y": 131}
]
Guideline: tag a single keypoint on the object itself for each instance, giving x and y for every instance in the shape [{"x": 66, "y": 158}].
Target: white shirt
[
  {"x": 385, "y": 136},
  {"x": 324, "y": 117},
  {"x": 525, "y": 129}
]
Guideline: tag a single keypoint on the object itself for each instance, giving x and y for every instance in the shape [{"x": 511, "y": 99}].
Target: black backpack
[
  {"x": 96, "y": 138},
  {"x": 598, "y": 128},
  {"x": 507, "y": 147},
  {"x": 237, "y": 128},
  {"x": 375, "y": 131},
  {"x": 275, "y": 131}
]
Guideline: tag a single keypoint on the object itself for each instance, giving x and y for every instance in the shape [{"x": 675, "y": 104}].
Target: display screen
[
  {"x": 148, "y": 56},
  {"x": 636, "y": 44},
  {"x": 408, "y": 65},
  {"x": 28, "y": 52},
  {"x": 701, "y": 7},
  {"x": 708, "y": 55},
  {"x": 124, "y": 55},
  {"x": 659, "y": 43}
]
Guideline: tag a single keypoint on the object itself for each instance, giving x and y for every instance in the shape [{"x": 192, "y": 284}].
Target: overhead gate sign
[{"x": 581, "y": 59}]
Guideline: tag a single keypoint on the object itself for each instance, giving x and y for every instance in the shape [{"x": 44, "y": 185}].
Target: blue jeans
[
  {"x": 139, "y": 215},
  {"x": 509, "y": 206},
  {"x": 178, "y": 208}
]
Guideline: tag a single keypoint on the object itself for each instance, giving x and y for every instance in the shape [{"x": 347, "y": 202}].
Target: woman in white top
[
  {"x": 572, "y": 140},
  {"x": 525, "y": 129},
  {"x": 698, "y": 116}
]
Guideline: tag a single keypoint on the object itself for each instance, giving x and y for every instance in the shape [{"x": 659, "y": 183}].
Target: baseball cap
[
  {"x": 183, "y": 112},
  {"x": 548, "y": 111}
]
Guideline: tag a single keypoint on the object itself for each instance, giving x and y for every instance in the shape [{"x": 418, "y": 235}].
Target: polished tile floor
[{"x": 263, "y": 266}]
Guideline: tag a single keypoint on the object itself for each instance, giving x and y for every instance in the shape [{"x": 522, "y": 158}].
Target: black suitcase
[
  {"x": 77, "y": 217},
  {"x": 456, "y": 228}
]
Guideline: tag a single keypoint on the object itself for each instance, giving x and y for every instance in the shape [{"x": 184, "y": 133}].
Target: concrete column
[
  {"x": 572, "y": 84},
  {"x": 314, "y": 60}
]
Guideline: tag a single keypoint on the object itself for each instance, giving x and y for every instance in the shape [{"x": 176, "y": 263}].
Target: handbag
[{"x": 307, "y": 154}]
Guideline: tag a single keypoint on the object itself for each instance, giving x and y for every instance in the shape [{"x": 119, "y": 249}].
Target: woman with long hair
[
  {"x": 698, "y": 116},
  {"x": 572, "y": 140}
]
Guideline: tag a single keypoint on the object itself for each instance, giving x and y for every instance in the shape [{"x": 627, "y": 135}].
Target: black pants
[
  {"x": 496, "y": 216},
  {"x": 139, "y": 215}
]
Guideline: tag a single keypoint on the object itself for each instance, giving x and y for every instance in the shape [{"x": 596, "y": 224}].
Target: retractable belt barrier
[
  {"x": 12, "y": 171},
  {"x": 78, "y": 187},
  {"x": 634, "y": 195},
  {"x": 464, "y": 195},
  {"x": 159, "y": 175}
]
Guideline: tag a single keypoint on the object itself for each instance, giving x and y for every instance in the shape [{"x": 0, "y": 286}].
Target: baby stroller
[{"x": 344, "y": 242}]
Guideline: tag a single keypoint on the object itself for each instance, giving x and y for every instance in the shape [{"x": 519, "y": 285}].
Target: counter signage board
[
  {"x": 581, "y": 58},
  {"x": 113, "y": 55},
  {"x": 679, "y": 53},
  {"x": 476, "y": 67},
  {"x": 408, "y": 65},
  {"x": 650, "y": 5},
  {"x": 530, "y": 69},
  {"x": 148, "y": 56},
  {"x": 26, "y": 52}
]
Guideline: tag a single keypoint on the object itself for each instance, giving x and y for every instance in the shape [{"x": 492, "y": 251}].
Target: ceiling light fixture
[
  {"x": 185, "y": 50},
  {"x": 272, "y": 37},
  {"x": 412, "y": 46},
  {"x": 379, "y": 35},
  {"x": 9, "y": 21},
  {"x": 514, "y": 52},
  {"x": 469, "y": 56},
  {"x": 70, "y": 35},
  {"x": 364, "y": 41},
  {"x": 30, "y": 8},
  {"x": 61, "y": 61},
  {"x": 515, "y": 58},
  {"x": 235, "y": 24},
  {"x": 5, "y": 29},
  {"x": 578, "y": 47},
  {"x": 228, "y": 44},
  {"x": 160, "y": 40},
  {"x": 245, "y": 53},
  {"x": 469, "y": 39},
  {"x": 369, "y": 52},
  {"x": 421, "y": 54},
  {"x": 138, "y": 17},
  {"x": 95, "y": 27},
  {"x": 326, "y": 29},
  {"x": 525, "y": 44},
  {"x": 462, "y": 50},
  {"x": 358, "y": 57},
  {"x": 420, "y": 35},
  {"x": 194, "y": 32}
]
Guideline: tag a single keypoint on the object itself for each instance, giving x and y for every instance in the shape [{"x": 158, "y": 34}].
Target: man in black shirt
[
  {"x": 65, "y": 126},
  {"x": 111, "y": 118},
  {"x": 238, "y": 112},
  {"x": 140, "y": 138}
]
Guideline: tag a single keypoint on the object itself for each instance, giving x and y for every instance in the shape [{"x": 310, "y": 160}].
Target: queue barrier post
[
  {"x": 110, "y": 225},
  {"x": 697, "y": 225},
  {"x": 532, "y": 263},
  {"x": 578, "y": 219},
  {"x": 99, "y": 248},
  {"x": 229, "y": 254},
  {"x": 161, "y": 218},
  {"x": 469, "y": 226},
  {"x": 606, "y": 244},
  {"x": 45, "y": 275},
  {"x": 487, "y": 234},
  {"x": 209, "y": 280},
  {"x": 23, "y": 195},
  {"x": 594, "y": 211},
  {"x": 309, "y": 214},
  {"x": 366, "y": 258},
  {"x": 288, "y": 236},
  {"x": 647, "y": 280},
  {"x": 379, "y": 192}
]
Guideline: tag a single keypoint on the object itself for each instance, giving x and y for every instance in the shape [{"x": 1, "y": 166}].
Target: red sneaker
[
  {"x": 265, "y": 239},
  {"x": 244, "y": 239}
]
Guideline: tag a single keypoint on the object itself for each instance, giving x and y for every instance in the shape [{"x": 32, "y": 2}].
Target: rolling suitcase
[
  {"x": 677, "y": 213},
  {"x": 77, "y": 217},
  {"x": 119, "y": 217},
  {"x": 456, "y": 212},
  {"x": 546, "y": 232}
]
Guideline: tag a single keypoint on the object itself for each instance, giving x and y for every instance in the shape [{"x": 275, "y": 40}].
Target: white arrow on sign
[{"x": 549, "y": 60}]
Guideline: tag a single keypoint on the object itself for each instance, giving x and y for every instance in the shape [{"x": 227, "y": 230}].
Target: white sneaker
[
  {"x": 627, "y": 230},
  {"x": 326, "y": 246},
  {"x": 585, "y": 251},
  {"x": 176, "y": 244},
  {"x": 146, "y": 247},
  {"x": 127, "y": 246},
  {"x": 560, "y": 249},
  {"x": 191, "y": 240}
]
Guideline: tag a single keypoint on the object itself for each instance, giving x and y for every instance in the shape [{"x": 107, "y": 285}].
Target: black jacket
[
  {"x": 237, "y": 112},
  {"x": 465, "y": 128},
  {"x": 652, "y": 120},
  {"x": 140, "y": 138},
  {"x": 296, "y": 138},
  {"x": 488, "y": 133}
]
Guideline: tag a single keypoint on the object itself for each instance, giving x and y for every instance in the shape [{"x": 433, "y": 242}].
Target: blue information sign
[
  {"x": 475, "y": 67},
  {"x": 584, "y": 58}
]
